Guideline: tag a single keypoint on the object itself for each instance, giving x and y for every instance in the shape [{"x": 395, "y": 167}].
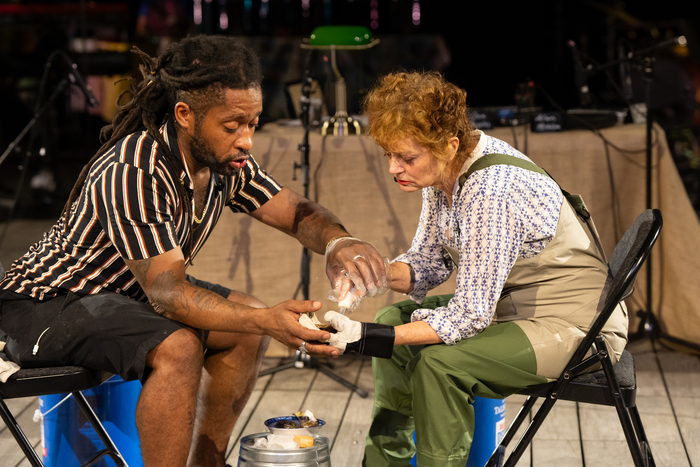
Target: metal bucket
[{"x": 319, "y": 455}]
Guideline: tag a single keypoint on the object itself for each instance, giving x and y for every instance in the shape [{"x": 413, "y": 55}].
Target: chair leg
[
  {"x": 632, "y": 442},
  {"x": 530, "y": 432},
  {"x": 641, "y": 436},
  {"x": 110, "y": 448},
  {"x": 19, "y": 436}
]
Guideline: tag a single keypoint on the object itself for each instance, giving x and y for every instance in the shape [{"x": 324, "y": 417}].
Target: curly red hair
[{"x": 424, "y": 106}]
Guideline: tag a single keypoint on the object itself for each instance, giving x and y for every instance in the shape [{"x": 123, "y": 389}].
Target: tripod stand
[
  {"x": 302, "y": 360},
  {"x": 649, "y": 327},
  {"x": 72, "y": 78}
]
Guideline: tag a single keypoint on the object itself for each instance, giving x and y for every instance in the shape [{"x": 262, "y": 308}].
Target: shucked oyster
[
  {"x": 306, "y": 418},
  {"x": 286, "y": 424},
  {"x": 327, "y": 328}
]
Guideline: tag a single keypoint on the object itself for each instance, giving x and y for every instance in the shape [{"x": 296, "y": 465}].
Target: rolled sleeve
[{"x": 254, "y": 188}]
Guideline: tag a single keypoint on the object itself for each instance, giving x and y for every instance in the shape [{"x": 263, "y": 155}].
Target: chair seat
[
  {"x": 29, "y": 382},
  {"x": 593, "y": 387}
]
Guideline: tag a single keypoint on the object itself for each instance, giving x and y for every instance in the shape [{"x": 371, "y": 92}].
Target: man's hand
[
  {"x": 281, "y": 322},
  {"x": 355, "y": 270},
  {"x": 376, "y": 340}
]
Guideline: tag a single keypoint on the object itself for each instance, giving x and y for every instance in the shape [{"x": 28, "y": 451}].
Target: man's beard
[{"x": 203, "y": 153}]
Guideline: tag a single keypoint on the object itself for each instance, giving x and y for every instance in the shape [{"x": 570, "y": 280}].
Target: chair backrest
[
  {"x": 2, "y": 333},
  {"x": 625, "y": 262}
]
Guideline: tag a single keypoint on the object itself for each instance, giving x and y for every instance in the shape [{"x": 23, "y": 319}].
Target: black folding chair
[
  {"x": 56, "y": 380},
  {"x": 613, "y": 385}
]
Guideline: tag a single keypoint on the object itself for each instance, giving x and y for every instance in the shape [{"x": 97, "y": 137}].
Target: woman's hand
[{"x": 376, "y": 340}]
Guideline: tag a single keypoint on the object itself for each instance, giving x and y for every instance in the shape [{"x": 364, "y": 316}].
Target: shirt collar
[{"x": 183, "y": 173}]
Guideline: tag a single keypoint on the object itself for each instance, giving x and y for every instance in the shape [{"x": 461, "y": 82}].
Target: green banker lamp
[{"x": 343, "y": 38}]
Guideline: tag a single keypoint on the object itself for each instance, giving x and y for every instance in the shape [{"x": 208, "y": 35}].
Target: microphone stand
[
  {"x": 303, "y": 360},
  {"x": 649, "y": 327},
  {"x": 38, "y": 113}
]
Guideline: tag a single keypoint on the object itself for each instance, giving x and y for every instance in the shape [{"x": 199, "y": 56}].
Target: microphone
[
  {"x": 625, "y": 75},
  {"x": 78, "y": 80},
  {"x": 580, "y": 76},
  {"x": 680, "y": 40}
]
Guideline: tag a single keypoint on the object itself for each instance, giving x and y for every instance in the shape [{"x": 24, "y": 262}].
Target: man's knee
[
  {"x": 182, "y": 351},
  {"x": 252, "y": 345}
]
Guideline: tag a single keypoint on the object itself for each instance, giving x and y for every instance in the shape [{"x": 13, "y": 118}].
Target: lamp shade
[{"x": 343, "y": 36}]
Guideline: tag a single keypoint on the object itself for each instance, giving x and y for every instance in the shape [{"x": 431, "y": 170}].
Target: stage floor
[{"x": 668, "y": 399}]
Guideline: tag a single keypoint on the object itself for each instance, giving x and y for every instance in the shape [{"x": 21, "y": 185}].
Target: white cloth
[
  {"x": 500, "y": 214},
  {"x": 7, "y": 369}
]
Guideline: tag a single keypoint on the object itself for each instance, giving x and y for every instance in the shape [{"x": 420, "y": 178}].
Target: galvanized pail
[{"x": 319, "y": 455}]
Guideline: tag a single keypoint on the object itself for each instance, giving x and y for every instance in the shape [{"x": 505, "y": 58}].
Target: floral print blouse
[{"x": 500, "y": 214}]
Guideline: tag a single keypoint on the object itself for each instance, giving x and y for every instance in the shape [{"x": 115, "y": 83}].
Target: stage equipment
[
  {"x": 643, "y": 61},
  {"x": 340, "y": 38},
  {"x": 302, "y": 359},
  {"x": 73, "y": 77}
]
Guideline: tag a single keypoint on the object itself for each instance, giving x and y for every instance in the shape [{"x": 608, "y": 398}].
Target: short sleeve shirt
[{"x": 130, "y": 207}]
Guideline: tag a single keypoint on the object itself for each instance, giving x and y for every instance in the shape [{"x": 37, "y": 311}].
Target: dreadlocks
[{"x": 196, "y": 71}]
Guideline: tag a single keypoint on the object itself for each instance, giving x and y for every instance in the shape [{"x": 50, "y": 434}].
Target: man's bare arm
[
  {"x": 163, "y": 279},
  {"x": 314, "y": 226},
  {"x": 310, "y": 223}
]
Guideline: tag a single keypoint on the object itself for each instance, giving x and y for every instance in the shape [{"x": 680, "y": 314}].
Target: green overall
[{"x": 541, "y": 317}]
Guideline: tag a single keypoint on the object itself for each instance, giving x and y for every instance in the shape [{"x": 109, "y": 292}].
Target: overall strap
[
  {"x": 576, "y": 201},
  {"x": 504, "y": 159}
]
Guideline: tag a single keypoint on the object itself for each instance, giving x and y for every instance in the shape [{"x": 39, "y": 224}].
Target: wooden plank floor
[{"x": 668, "y": 399}]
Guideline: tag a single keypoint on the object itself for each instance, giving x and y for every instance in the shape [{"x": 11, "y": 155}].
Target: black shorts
[{"x": 106, "y": 331}]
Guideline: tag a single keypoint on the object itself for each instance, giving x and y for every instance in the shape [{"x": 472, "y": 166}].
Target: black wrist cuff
[{"x": 377, "y": 341}]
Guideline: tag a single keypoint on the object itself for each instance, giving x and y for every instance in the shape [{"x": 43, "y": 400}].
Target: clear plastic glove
[
  {"x": 349, "y": 296},
  {"x": 376, "y": 340},
  {"x": 352, "y": 262}
]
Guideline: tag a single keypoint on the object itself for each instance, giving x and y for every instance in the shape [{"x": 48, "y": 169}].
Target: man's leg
[
  {"x": 165, "y": 412},
  {"x": 231, "y": 367}
]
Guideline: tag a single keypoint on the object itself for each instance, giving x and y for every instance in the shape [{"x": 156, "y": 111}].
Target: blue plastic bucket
[
  {"x": 68, "y": 439},
  {"x": 489, "y": 428}
]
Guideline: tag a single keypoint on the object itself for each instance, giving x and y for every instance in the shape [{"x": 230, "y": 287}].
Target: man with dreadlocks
[{"x": 106, "y": 288}]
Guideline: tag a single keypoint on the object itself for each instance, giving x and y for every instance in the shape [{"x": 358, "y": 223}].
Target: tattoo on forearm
[
  {"x": 310, "y": 221},
  {"x": 176, "y": 296},
  {"x": 172, "y": 296}
]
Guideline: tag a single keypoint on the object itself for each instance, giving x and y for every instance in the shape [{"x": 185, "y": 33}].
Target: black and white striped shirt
[{"x": 130, "y": 207}]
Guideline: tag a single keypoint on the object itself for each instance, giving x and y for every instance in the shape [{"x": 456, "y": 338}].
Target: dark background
[{"x": 487, "y": 48}]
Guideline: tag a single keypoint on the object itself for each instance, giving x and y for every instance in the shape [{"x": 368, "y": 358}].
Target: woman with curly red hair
[{"x": 530, "y": 276}]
